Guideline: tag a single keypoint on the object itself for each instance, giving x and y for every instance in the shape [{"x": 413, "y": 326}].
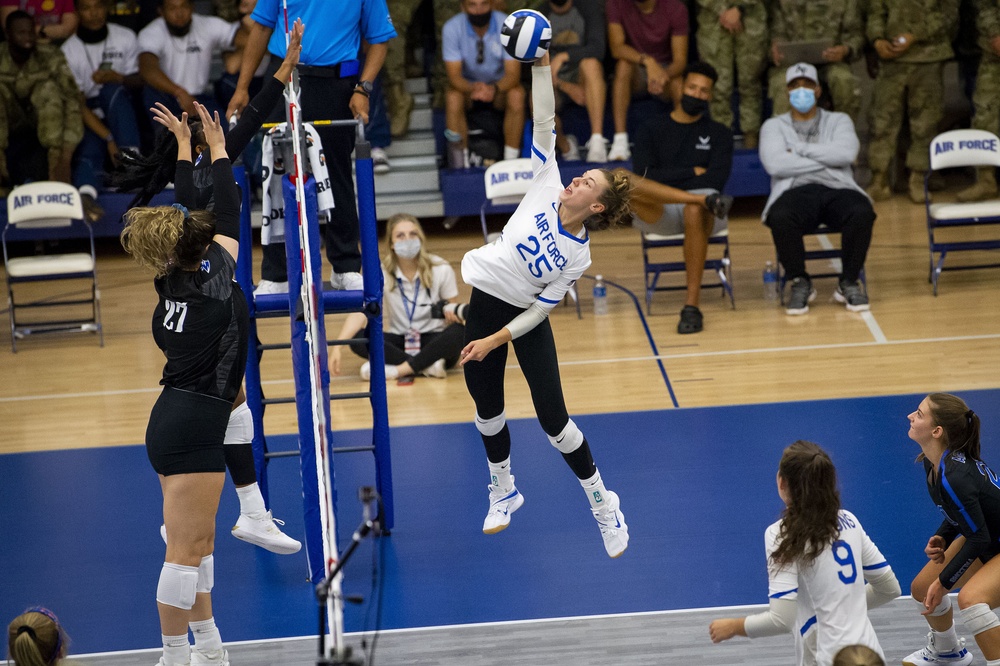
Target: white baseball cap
[{"x": 802, "y": 70}]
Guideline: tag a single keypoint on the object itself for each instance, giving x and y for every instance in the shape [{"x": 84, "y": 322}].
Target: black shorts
[{"x": 186, "y": 432}]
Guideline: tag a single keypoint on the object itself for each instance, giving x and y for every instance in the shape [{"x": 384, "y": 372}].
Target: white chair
[
  {"x": 960, "y": 148},
  {"x": 48, "y": 205},
  {"x": 506, "y": 183}
]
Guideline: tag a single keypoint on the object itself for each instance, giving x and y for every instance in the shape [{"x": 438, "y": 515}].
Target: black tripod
[{"x": 369, "y": 525}]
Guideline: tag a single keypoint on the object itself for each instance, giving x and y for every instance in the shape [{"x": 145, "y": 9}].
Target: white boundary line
[
  {"x": 867, "y": 317},
  {"x": 627, "y": 359},
  {"x": 444, "y": 627}
]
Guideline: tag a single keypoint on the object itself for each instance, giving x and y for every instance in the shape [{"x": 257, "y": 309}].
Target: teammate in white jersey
[
  {"x": 819, "y": 558},
  {"x": 517, "y": 280}
]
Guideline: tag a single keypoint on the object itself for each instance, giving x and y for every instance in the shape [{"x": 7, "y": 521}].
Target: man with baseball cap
[{"x": 809, "y": 152}]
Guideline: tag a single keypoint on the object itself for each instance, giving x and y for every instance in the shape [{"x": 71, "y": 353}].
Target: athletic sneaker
[
  {"x": 269, "y": 287},
  {"x": 503, "y": 502},
  {"x": 611, "y": 520},
  {"x": 929, "y": 656},
  {"x": 852, "y": 296},
  {"x": 573, "y": 153},
  {"x": 260, "y": 530},
  {"x": 619, "y": 149},
  {"x": 380, "y": 161},
  {"x": 347, "y": 281},
  {"x": 597, "y": 149},
  {"x": 801, "y": 295},
  {"x": 215, "y": 658},
  {"x": 436, "y": 370},
  {"x": 719, "y": 204},
  {"x": 366, "y": 371},
  {"x": 163, "y": 662}
]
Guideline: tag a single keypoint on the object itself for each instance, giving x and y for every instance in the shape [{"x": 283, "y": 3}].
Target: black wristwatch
[{"x": 364, "y": 88}]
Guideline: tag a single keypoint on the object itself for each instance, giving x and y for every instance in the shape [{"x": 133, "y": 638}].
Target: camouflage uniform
[
  {"x": 42, "y": 95},
  {"x": 915, "y": 78},
  {"x": 836, "y": 20},
  {"x": 986, "y": 98},
  {"x": 399, "y": 102},
  {"x": 443, "y": 10},
  {"x": 746, "y": 51}
]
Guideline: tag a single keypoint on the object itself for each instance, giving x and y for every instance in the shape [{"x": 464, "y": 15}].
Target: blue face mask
[{"x": 802, "y": 99}]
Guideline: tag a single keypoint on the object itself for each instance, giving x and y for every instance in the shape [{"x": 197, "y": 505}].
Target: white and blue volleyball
[{"x": 526, "y": 35}]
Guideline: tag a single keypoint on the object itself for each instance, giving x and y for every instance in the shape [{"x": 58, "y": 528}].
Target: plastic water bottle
[
  {"x": 770, "y": 282},
  {"x": 600, "y": 296}
]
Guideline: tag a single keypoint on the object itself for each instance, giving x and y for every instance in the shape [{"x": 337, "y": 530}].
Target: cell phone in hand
[{"x": 106, "y": 65}]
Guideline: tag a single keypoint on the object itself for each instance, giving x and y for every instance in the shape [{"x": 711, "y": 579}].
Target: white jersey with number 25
[{"x": 534, "y": 258}]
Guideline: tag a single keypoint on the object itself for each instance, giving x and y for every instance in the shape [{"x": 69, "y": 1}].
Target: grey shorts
[{"x": 671, "y": 222}]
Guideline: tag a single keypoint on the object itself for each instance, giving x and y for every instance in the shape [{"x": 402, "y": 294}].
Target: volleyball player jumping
[
  {"x": 201, "y": 323},
  {"x": 818, "y": 559},
  {"x": 963, "y": 551},
  {"x": 517, "y": 280}
]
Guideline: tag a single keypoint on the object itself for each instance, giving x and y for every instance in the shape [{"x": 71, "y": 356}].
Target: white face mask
[{"x": 407, "y": 249}]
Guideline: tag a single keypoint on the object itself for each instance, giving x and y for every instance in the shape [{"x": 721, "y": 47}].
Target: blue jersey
[{"x": 334, "y": 28}]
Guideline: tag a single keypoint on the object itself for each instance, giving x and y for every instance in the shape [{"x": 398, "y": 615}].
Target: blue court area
[{"x": 80, "y": 528}]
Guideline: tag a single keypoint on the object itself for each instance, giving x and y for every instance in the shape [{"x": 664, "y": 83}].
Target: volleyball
[{"x": 526, "y": 35}]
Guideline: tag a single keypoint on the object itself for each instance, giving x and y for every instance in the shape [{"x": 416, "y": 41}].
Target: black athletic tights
[{"x": 536, "y": 354}]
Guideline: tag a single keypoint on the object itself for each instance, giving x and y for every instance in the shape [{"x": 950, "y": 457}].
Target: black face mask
[
  {"x": 693, "y": 106},
  {"x": 558, "y": 3},
  {"x": 480, "y": 20},
  {"x": 179, "y": 32},
  {"x": 92, "y": 36}
]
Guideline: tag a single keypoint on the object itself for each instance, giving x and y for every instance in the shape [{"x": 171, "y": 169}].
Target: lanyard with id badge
[{"x": 412, "y": 338}]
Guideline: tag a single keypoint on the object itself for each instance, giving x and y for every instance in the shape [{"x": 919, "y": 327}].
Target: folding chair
[
  {"x": 507, "y": 182},
  {"x": 653, "y": 269},
  {"x": 830, "y": 253},
  {"x": 959, "y": 148},
  {"x": 47, "y": 205}
]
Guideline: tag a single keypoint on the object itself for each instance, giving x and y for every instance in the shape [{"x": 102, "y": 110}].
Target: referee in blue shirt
[{"x": 335, "y": 85}]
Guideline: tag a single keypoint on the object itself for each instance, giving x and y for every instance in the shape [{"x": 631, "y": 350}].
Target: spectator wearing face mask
[
  {"x": 809, "y": 154},
  {"x": 425, "y": 328}
]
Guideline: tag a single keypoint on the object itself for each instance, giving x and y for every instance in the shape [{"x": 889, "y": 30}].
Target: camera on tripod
[{"x": 460, "y": 310}]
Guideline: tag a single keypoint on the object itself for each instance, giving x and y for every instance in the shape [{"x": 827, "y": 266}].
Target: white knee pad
[
  {"x": 206, "y": 574},
  {"x": 569, "y": 440},
  {"x": 490, "y": 427},
  {"x": 240, "y": 430},
  {"x": 178, "y": 585},
  {"x": 941, "y": 609},
  {"x": 978, "y": 618}
]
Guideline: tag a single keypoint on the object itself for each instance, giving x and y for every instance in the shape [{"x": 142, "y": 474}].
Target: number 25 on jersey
[{"x": 176, "y": 314}]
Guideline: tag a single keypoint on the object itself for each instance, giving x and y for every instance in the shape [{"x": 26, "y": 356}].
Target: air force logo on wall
[{"x": 704, "y": 143}]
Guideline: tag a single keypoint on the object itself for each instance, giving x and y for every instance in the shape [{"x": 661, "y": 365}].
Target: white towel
[{"x": 273, "y": 206}]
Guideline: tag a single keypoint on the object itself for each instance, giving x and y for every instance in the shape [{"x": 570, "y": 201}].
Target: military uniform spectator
[
  {"x": 913, "y": 41},
  {"x": 649, "y": 40},
  {"x": 986, "y": 98},
  {"x": 841, "y": 22},
  {"x": 399, "y": 103},
  {"x": 733, "y": 36},
  {"x": 38, "y": 94},
  {"x": 55, "y": 20},
  {"x": 480, "y": 70},
  {"x": 175, "y": 56},
  {"x": 577, "y": 60}
]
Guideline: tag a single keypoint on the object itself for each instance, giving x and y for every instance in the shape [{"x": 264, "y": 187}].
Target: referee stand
[{"x": 289, "y": 305}]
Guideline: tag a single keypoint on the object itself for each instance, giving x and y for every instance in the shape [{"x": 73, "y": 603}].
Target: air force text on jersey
[{"x": 530, "y": 252}]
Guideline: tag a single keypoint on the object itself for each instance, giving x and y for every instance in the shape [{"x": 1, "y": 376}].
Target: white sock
[
  {"x": 391, "y": 372},
  {"x": 500, "y": 475},
  {"x": 176, "y": 649},
  {"x": 995, "y": 662},
  {"x": 621, "y": 136},
  {"x": 510, "y": 153},
  {"x": 596, "y": 492},
  {"x": 596, "y": 137},
  {"x": 251, "y": 501},
  {"x": 206, "y": 635},
  {"x": 946, "y": 641}
]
